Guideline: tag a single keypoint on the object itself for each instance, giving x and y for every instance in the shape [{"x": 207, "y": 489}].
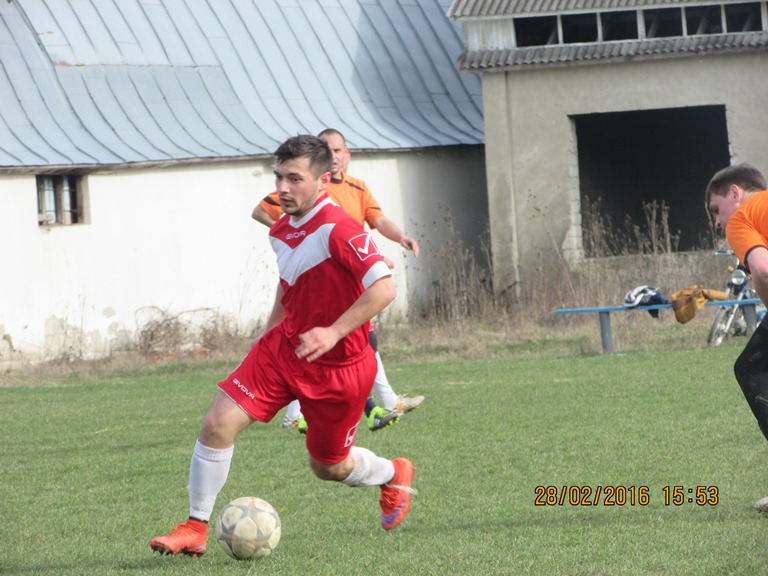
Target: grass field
[{"x": 93, "y": 466}]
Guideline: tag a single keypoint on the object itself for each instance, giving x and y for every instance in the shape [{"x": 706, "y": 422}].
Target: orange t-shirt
[
  {"x": 747, "y": 227},
  {"x": 351, "y": 194}
]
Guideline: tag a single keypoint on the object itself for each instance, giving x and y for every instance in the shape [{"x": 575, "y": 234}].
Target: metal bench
[{"x": 604, "y": 314}]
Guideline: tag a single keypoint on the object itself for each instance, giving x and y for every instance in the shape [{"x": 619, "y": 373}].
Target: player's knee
[
  {"x": 322, "y": 471},
  {"x": 330, "y": 472},
  {"x": 217, "y": 431}
]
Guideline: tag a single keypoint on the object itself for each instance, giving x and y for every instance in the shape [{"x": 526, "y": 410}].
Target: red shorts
[{"x": 332, "y": 396}]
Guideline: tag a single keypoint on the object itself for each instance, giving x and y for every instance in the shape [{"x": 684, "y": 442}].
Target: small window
[
  {"x": 536, "y": 31},
  {"x": 664, "y": 23},
  {"x": 703, "y": 20},
  {"x": 743, "y": 17},
  {"x": 59, "y": 200},
  {"x": 619, "y": 26},
  {"x": 579, "y": 28}
]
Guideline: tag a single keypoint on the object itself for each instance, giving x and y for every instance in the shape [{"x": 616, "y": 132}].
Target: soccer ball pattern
[{"x": 248, "y": 528}]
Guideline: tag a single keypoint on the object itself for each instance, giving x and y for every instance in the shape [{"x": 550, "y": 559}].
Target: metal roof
[
  {"x": 105, "y": 82},
  {"x": 571, "y": 54},
  {"x": 486, "y": 8}
]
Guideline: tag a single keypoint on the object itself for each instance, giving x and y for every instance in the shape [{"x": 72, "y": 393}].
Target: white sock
[
  {"x": 294, "y": 410},
  {"x": 381, "y": 387},
  {"x": 207, "y": 474},
  {"x": 369, "y": 469}
]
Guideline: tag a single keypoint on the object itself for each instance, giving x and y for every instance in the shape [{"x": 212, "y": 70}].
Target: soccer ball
[{"x": 248, "y": 528}]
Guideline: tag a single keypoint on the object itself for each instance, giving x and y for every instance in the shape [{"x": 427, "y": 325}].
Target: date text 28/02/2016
[{"x": 621, "y": 495}]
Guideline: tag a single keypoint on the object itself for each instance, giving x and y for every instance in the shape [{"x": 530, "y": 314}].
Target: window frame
[{"x": 60, "y": 199}]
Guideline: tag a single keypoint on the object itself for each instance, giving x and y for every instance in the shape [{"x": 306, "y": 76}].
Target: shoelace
[{"x": 408, "y": 489}]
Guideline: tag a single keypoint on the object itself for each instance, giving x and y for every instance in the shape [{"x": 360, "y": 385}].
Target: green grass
[{"x": 93, "y": 466}]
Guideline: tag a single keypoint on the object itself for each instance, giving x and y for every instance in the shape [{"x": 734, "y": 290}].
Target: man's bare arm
[
  {"x": 319, "y": 340},
  {"x": 278, "y": 312},
  {"x": 392, "y": 231},
  {"x": 260, "y": 215},
  {"x": 757, "y": 260}
]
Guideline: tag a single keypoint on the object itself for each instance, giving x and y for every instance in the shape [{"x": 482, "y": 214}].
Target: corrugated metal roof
[
  {"x": 479, "y": 8},
  {"x": 86, "y": 82},
  {"x": 569, "y": 54}
]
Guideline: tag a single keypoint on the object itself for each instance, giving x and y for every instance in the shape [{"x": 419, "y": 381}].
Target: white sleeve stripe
[{"x": 376, "y": 272}]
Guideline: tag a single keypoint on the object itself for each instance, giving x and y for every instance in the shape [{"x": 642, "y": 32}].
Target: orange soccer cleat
[
  {"x": 187, "y": 538},
  {"x": 396, "y": 494}
]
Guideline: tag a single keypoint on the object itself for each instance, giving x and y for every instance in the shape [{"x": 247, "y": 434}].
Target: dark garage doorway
[{"x": 631, "y": 159}]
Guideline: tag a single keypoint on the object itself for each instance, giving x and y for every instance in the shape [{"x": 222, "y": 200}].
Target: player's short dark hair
[
  {"x": 306, "y": 146},
  {"x": 744, "y": 175}
]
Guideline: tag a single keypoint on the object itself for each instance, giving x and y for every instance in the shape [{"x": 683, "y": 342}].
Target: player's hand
[
  {"x": 315, "y": 343},
  {"x": 410, "y": 244},
  {"x": 390, "y": 264}
]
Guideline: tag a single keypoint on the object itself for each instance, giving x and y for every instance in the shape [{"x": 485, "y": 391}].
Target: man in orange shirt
[
  {"x": 353, "y": 195},
  {"x": 738, "y": 200}
]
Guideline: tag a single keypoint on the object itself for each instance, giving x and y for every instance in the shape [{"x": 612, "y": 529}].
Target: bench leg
[
  {"x": 750, "y": 315},
  {"x": 606, "y": 336}
]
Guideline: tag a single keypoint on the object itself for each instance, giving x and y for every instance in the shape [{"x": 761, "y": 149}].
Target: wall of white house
[
  {"x": 532, "y": 164},
  {"x": 180, "y": 242},
  {"x": 439, "y": 197}
]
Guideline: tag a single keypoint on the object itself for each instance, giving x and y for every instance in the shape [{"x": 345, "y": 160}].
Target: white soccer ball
[{"x": 248, "y": 528}]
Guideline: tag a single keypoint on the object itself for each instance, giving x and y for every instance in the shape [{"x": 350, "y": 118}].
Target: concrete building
[{"x": 613, "y": 103}]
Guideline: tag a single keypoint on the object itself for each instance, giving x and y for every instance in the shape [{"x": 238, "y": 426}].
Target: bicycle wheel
[{"x": 721, "y": 325}]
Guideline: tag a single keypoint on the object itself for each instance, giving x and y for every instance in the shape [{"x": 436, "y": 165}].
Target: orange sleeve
[
  {"x": 747, "y": 228},
  {"x": 271, "y": 205},
  {"x": 372, "y": 208},
  {"x": 353, "y": 196}
]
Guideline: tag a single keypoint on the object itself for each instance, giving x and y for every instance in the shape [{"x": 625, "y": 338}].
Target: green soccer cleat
[
  {"x": 290, "y": 423},
  {"x": 302, "y": 426},
  {"x": 381, "y": 418}
]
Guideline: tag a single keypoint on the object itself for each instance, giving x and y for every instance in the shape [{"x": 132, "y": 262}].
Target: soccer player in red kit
[
  {"x": 332, "y": 282},
  {"x": 353, "y": 195}
]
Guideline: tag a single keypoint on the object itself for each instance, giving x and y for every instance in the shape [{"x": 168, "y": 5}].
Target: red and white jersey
[{"x": 326, "y": 261}]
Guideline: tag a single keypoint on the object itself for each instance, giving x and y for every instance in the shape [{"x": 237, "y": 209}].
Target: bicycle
[{"x": 729, "y": 320}]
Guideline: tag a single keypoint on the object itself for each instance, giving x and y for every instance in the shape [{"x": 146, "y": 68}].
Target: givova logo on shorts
[{"x": 243, "y": 389}]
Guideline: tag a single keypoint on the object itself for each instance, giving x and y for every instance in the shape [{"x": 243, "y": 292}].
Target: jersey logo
[{"x": 364, "y": 246}]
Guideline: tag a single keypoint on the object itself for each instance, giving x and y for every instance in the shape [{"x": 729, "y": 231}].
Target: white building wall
[
  {"x": 178, "y": 241},
  {"x": 437, "y": 196}
]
